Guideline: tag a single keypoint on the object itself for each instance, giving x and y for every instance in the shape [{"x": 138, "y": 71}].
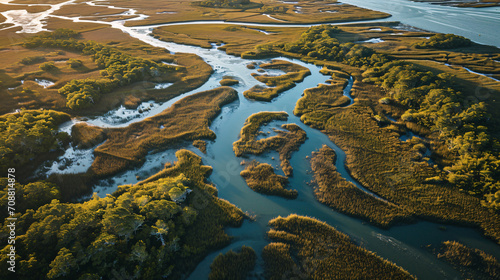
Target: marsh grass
[
  {"x": 473, "y": 263},
  {"x": 201, "y": 145},
  {"x": 184, "y": 12},
  {"x": 86, "y": 136},
  {"x": 190, "y": 73},
  {"x": 233, "y": 265},
  {"x": 306, "y": 248},
  {"x": 151, "y": 233},
  {"x": 261, "y": 178},
  {"x": 338, "y": 193}
]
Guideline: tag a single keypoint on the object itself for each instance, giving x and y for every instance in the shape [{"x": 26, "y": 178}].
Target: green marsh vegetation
[
  {"x": 233, "y": 265},
  {"x": 237, "y": 39},
  {"x": 284, "y": 143},
  {"x": 75, "y": 68},
  {"x": 338, "y": 193},
  {"x": 306, "y": 248},
  {"x": 261, "y": 178},
  {"x": 455, "y": 190},
  {"x": 323, "y": 97},
  {"x": 150, "y": 230},
  {"x": 473, "y": 263},
  {"x": 276, "y": 84}
]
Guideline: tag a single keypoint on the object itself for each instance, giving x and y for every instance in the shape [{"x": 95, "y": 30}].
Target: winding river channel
[{"x": 403, "y": 245}]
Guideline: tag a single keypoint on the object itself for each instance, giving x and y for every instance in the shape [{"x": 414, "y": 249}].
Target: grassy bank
[
  {"x": 188, "y": 119},
  {"x": 86, "y": 136},
  {"x": 306, "y": 248},
  {"x": 284, "y": 143},
  {"x": 473, "y": 263},
  {"x": 261, "y": 178},
  {"x": 233, "y": 265},
  {"x": 237, "y": 39},
  {"x": 343, "y": 196}
]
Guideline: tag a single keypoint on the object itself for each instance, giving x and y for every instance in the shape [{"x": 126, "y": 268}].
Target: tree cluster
[
  {"x": 274, "y": 9},
  {"x": 224, "y": 3},
  {"x": 134, "y": 234},
  {"x": 29, "y": 134},
  {"x": 444, "y": 41},
  {"x": 320, "y": 42}
]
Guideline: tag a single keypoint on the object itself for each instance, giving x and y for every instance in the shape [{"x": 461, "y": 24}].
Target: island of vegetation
[
  {"x": 159, "y": 228},
  {"x": 276, "y": 84},
  {"x": 305, "y": 248},
  {"x": 261, "y": 178},
  {"x": 233, "y": 265},
  {"x": 284, "y": 143},
  {"x": 473, "y": 263},
  {"x": 229, "y": 81}
]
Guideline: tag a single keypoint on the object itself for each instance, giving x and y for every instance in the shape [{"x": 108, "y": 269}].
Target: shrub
[
  {"x": 48, "y": 66},
  {"x": 32, "y": 60}
]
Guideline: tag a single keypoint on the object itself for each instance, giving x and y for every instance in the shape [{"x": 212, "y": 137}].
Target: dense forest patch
[
  {"x": 146, "y": 231},
  {"x": 30, "y": 135}
]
